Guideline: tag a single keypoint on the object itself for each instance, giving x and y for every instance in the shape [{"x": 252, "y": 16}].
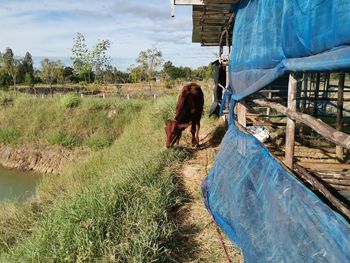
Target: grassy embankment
[
  {"x": 112, "y": 207},
  {"x": 68, "y": 121}
]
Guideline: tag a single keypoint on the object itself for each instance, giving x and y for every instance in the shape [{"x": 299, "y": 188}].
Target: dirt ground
[{"x": 196, "y": 227}]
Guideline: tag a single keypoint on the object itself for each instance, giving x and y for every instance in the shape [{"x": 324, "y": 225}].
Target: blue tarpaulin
[
  {"x": 258, "y": 203},
  {"x": 266, "y": 212},
  {"x": 272, "y": 37}
]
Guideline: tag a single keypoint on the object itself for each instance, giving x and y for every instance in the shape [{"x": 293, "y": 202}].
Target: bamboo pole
[
  {"x": 290, "y": 129},
  {"x": 320, "y": 127},
  {"x": 339, "y": 124}
]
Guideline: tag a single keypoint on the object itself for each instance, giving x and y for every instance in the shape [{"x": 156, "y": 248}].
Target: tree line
[{"x": 92, "y": 66}]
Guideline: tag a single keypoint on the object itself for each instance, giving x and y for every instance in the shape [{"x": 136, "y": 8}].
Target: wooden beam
[
  {"x": 172, "y": 8},
  {"x": 290, "y": 129},
  {"x": 307, "y": 176},
  {"x": 320, "y": 127},
  {"x": 339, "y": 150},
  {"x": 311, "y": 179},
  {"x": 325, "y": 166},
  {"x": 189, "y": 2},
  {"x": 208, "y": 2}
]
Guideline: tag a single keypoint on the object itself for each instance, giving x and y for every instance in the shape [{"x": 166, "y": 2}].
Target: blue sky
[{"x": 46, "y": 28}]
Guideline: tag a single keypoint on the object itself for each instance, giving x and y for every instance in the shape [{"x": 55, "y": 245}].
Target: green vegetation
[
  {"x": 113, "y": 207},
  {"x": 68, "y": 121},
  {"x": 91, "y": 69},
  {"x": 71, "y": 101}
]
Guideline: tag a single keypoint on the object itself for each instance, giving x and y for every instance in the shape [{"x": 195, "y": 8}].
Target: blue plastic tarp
[
  {"x": 266, "y": 211},
  {"x": 258, "y": 203},
  {"x": 272, "y": 37}
]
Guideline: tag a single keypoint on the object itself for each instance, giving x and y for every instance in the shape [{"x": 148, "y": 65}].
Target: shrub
[
  {"x": 98, "y": 142},
  {"x": 98, "y": 105},
  {"x": 9, "y": 135},
  {"x": 169, "y": 83},
  {"x": 71, "y": 101},
  {"x": 63, "y": 138},
  {"x": 5, "y": 99}
]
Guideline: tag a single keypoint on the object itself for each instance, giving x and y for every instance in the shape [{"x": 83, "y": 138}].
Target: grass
[
  {"x": 68, "y": 121},
  {"x": 112, "y": 207}
]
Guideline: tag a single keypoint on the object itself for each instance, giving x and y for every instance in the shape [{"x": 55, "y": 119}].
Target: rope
[{"x": 221, "y": 240}]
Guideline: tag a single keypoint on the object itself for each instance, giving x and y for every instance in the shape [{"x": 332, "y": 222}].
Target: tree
[
  {"x": 136, "y": 73},
  {"x": 11, "y": 65},
  {"x": 51, "y": 72},
  {"x": 149, "y": 61},
  {"x": 121, "y": 77},
  {"x": 168, "y": 70},
  {"x": 5, "y": 79},
  {"x": 81, "y": 57},
  {"x": 28, "y": 69},
  {"x": 101, "y": 62},
  {"x": 86, "y": 61}
]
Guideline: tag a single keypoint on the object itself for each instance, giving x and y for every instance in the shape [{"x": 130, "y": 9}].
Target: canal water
[{"x": 17, "y": 185}]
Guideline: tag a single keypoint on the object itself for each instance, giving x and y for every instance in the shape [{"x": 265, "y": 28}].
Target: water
[{"x": 17, "y": 185}]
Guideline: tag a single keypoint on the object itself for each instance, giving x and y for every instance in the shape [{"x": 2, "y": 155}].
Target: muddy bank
[{"x": 40, "y": 158}]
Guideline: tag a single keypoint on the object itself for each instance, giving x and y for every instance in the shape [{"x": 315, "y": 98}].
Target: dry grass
[{"x": 197, "y": 231}]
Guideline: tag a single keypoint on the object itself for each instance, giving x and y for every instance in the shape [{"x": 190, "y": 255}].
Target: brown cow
[{"x": 189, "y": 110}]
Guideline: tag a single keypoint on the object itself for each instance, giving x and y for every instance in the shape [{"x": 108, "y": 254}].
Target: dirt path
[{"x": 196, "y": 228}]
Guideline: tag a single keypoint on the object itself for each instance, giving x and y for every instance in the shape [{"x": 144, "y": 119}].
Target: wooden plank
[
  {"x": 337, "y": 181},
  {"x": 304, "y": 174},
  {"x": 189, "y": 2},
  {"x": 290, "y": 129},
  {"x": 207, "y": 2},
  {"x": 326, "y": 166},
  {"x": 339, "y": 150},
  {"x": 172, "y": 8},
  {"x": 320, "y": 127}
]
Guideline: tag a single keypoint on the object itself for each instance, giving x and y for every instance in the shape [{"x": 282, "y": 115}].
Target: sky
[{"x": 46, "y": 28}]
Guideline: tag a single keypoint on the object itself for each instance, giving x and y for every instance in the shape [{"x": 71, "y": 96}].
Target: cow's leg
[
  {"x": 178, "y": 138},
  {"x": 197, "y": 134},
  {"x": 193, "y": 131}
]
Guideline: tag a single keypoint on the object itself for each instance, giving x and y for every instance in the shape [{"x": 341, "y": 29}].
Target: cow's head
[{"x": 172, "y": 132}]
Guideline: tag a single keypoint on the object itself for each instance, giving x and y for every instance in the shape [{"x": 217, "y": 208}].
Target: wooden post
[
  {"x": 339, "y": 125},
  {"x": 269, "y": 96},
  {"x": 305, "y": 89},
  {"x": 290, "y": 129},
  {"x": 172, "y": 8},
  {"x": 298, "y": 95},
  {"x": 317, "y": 125},
  {"x": 317, "y": 90},
  {"x": 241, "y": 112}
]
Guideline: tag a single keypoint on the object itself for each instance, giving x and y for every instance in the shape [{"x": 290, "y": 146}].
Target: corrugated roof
[{"x": 209, "y": 23}]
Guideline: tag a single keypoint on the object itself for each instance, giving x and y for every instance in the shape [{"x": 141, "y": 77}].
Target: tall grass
[
  {"x": 68, "y": 121},
  {"x": 113, "y": 207}
]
